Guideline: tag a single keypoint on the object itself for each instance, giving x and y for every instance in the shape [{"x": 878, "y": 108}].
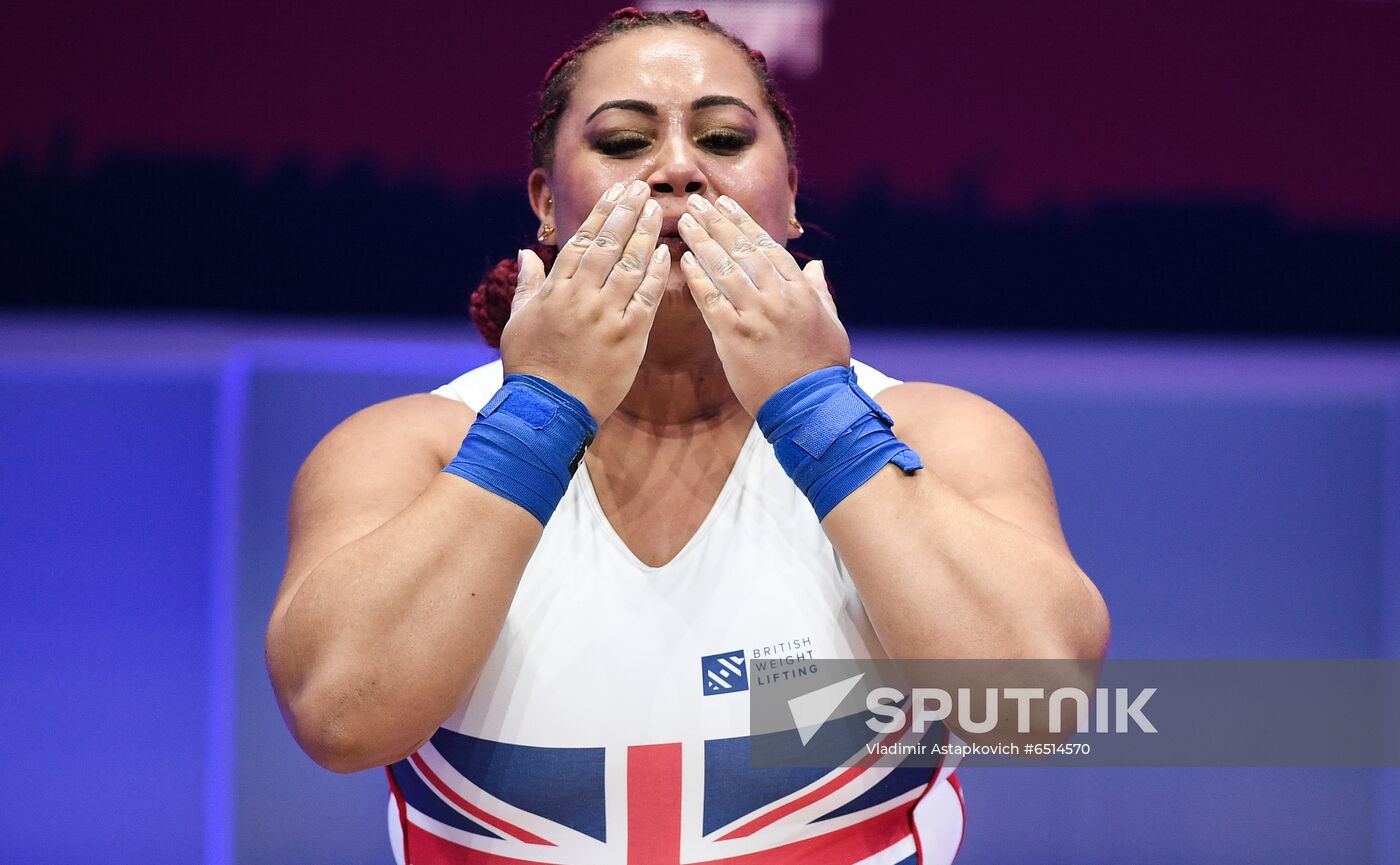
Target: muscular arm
[
  {"x": 966, "y": 558},
  {"x": 398, "y": 579}
]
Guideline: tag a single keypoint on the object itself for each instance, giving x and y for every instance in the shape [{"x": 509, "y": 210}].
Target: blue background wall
[{"x": 1230, "y": 499}]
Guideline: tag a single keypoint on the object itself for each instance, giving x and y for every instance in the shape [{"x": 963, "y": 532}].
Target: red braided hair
[{"x": 490, "y": 303}]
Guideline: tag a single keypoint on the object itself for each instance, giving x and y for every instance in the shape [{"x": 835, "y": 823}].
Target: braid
[{"x": 490, "y": 302}]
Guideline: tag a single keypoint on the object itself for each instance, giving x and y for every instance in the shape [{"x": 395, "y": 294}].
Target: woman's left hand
[{"x": 772, "y": 321}]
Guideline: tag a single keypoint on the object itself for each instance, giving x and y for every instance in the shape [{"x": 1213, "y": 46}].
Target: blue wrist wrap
[
  {"x": 526, "y": 443},
  {"x": 830, "y": 436}
]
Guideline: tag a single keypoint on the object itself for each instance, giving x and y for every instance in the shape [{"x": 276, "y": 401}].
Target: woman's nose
[{"x": 676, "y": 171}]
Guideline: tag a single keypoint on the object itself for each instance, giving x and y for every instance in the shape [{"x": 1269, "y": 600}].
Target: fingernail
[
  {"x": 727, "y": 203},
  {"x": 614, "y": 192},
  {"x": 661, "y": 252},
  {"x": 637, "y": 187},
  {"x": 650, "y": 208},
  {"x": 688, "y": 221},
  {"x": 688, "y": 257},
  {"x": 698, "y": 203},
  {"x": 519, "y": 257}
]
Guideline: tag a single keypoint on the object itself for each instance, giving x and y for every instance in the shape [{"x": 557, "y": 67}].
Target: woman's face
[{"x": 680, "y": 109}]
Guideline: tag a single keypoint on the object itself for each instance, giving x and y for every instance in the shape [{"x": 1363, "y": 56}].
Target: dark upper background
[{"x": 1185, "y": 166}]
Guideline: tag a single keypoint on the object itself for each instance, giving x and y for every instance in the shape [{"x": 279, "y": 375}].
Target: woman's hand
[
  {"x": 584, "y": 326},
  {"x": 772, "y": 322}
]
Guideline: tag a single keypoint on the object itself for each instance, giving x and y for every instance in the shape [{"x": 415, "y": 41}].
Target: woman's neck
[
  {"x": 677, "y": 434},
  {"x": 680, "y": 388}
]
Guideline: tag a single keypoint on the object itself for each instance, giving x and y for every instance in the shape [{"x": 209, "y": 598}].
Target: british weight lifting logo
[{"x": 725, "y": 673}]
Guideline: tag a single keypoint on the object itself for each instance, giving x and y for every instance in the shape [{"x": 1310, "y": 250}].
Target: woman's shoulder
[
  {"x": 920, "y": 401},
  {"x": 968, "y": 440},
  {"x": 419, "y": 426},
  {"x": 979, "y": 450},
  {"x": 942, "y": 411},
  {"x": 435, "y": 421}
]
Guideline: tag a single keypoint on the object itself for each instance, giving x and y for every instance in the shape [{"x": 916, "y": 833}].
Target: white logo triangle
[{"x": 810, "y": 711}]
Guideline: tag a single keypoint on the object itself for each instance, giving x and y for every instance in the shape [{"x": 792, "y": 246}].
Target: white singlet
[{"x": 609, "y": 725}]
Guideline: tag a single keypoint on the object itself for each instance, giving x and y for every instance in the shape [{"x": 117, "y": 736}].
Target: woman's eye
[
  {"x": 622, "y": 143},
  {"x": 724, "y": 142}
]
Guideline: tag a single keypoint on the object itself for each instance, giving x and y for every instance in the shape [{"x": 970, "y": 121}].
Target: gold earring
[
  {"x": 796, "y": 226},
  {"x": 545, "y": 231}
]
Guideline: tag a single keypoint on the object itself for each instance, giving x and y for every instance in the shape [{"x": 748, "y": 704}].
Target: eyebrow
[{"x": 650, "y": 110}]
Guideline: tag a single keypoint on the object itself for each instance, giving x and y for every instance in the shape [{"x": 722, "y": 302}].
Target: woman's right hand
[{"x": 584, "y": 327}]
